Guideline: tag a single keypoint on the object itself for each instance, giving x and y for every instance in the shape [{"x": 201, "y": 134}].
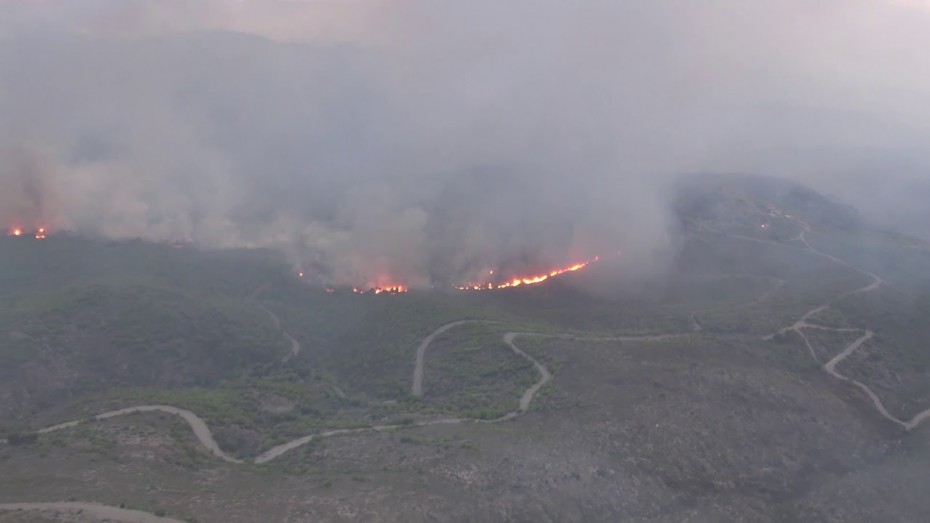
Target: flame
[
  {"x": 387, "y": 289},
  {"x": 39, "y": 233},
  {"x": 527, "y": 280},
  {"x": 383, "y": 287}
]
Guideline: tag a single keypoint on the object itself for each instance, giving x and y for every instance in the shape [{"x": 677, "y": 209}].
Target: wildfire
[
  {"x": 390, "y": 289},
  {"x": 526, "y": 280},
  {"x": 18, "y": 232},
  {"x": 393, "y": 288}
]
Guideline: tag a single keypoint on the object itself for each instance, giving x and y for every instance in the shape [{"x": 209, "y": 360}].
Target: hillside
[{"x": 778, "y": 372}]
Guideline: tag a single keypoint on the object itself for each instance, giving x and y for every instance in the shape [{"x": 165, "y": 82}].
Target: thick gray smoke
[{"x": 426, "y": 142}]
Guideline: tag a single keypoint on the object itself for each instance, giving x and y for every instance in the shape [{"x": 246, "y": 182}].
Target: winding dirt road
[
  {"x": 544, "y": 374},
  {"x": 203, "y": 434},
  {"x": 198, "y": 426},
  {"x": 417, "y": 388},
  {"x": 830, "y": 366},
  {"x": 803, "y": 323},
  {"x": 205, "y": 437},
  {"x": 102, "y": 512}
]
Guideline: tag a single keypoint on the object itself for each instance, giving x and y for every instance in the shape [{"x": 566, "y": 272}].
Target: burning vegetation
[
  {"x": 18, "y": 232},
  {"x": 524, "y": 280},
  {"x": 489, "y": 284},
  {"x": 392, "y": 289}
]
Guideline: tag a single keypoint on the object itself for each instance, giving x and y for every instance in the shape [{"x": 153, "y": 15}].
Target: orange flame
[
  {"x": 381, "y": 285},
  {"x": 39, "y": 233},
  {"x": 388, "y": 289},
  {"x": 393, "y": 288},
  {"x": 526, "y": 280}
]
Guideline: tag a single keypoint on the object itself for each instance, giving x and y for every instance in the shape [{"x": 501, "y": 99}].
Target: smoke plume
[{"x": 423, "y": 142}]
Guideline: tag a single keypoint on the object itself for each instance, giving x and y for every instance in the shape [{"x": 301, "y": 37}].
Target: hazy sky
[{"x": 430, "y": 141}]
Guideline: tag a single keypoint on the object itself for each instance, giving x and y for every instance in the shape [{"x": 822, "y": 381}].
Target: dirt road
[
  {"x": 803, "y": 323},
  {"x": 97, "y": 511},
  {"x": 198, "y": 426},
  {"x": 417, "y": 388}
]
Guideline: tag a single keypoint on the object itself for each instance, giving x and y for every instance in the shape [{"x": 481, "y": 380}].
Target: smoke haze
[{"x": 426, "y": 142}]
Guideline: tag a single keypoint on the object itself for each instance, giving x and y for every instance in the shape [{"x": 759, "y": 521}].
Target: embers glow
[
  {"x": 393, "y": 288},
  {"x": 387, "y": 289},
  {"x": 526, "y": 280},
  {"x": 39, "y": 233}
]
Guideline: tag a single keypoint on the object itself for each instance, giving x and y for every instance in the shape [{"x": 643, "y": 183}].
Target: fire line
[
  {"x": 526, "y": 280},
  {"x": 485, "y": 286}
]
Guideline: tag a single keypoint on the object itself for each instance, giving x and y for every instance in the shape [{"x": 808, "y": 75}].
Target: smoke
[
  {"x": 27, "y": 199},
  {"x": 425, "y": 143}
]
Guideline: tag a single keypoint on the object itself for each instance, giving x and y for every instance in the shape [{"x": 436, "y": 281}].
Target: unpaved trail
[
  {"x": 417, "y": 388},
  {"x": 205, "y": 437},
  {"x": 198, "y": 426},
  {"x": 203, "y": 434},
  {"x": 544, "y": 374},
  {"x": 101, "y": 512},
  {"x": 830, "y": 367},
  {"x": 279, "y": 450},
  {"x": 803, "y": 323}
]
